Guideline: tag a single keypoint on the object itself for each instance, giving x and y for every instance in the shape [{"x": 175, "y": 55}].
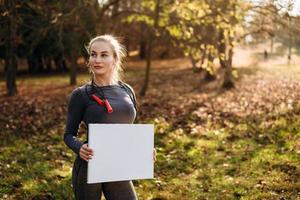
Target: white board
[{"x": 121, "y": 152}]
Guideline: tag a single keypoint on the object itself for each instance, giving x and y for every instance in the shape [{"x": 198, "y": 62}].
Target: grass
[
  {"x": 216, "y": 165},
  {"x": 34, "y": 167}
]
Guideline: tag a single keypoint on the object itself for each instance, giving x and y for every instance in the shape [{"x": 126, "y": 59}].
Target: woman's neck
[{"x": 101, "y": 81}]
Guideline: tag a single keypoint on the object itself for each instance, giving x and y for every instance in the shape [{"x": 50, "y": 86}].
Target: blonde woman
[{"x": 104, "y": 100}]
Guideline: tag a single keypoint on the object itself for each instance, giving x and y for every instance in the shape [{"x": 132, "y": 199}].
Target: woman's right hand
[{"x": 85, "y": 152}]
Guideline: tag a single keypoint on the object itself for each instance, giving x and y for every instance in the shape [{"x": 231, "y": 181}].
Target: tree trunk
[
  {"x": 60, "y": 63},
  {"x": 209, "y": 74},
  {"x": 30, "y": 63},
  {"x": 203, "y": 56},
  {"x": 73, "y": 69},
  {"x": 149, "y": 50},
  {"x": 194, "y": 64},
  {"x": 10, "y": 59},
  {"x": 148, "y": 65},
  {"x": 228, "y": 78},
  {"x": 142, "y": 51},
  {"x": 59, "y": 59},
  {"x": 222, "y": 49},
  {"x": 290, "y": 41},
  {"x": 40, "y": 63},
  {"x": 48, "y": 62},
  {"x": 225, "y": 56}
]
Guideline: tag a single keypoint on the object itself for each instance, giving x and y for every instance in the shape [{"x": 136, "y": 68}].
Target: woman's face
[{"x": 101, "y": 60}]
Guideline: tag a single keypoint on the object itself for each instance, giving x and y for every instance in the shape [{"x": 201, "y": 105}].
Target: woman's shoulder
[
  {"x": 79, "y": 91},
  {"x": 130, "y": 92},
  {"x": 127, "y": 86},
  {"x": 76, "y": 91}
]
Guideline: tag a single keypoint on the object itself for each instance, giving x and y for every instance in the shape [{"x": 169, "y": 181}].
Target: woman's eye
[
  {"x": 94, "y": 55},
  {"x": 103, "y": 55}
]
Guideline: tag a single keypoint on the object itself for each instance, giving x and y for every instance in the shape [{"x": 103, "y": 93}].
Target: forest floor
[{"x": 242, "y": 143}]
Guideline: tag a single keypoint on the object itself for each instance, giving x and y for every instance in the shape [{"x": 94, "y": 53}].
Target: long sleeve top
[{"x": 82, "y": 107}]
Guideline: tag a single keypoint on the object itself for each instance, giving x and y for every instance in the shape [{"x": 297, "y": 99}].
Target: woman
[{"x": 105, "y": 100}]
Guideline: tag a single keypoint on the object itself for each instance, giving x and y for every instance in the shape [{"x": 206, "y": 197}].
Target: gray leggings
[{"x": 119, "y": 190}]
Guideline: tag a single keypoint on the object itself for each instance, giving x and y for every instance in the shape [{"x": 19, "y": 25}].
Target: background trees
[
  {"x": 275, "y": 21},
  {"x": 50, "y": 35}
]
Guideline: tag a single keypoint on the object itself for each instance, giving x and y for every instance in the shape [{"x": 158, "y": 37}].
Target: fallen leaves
[
  {"x": 33, "y": 111},
  {"x": 209, "y": 142}
]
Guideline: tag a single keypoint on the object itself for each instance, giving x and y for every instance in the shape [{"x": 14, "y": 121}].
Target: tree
[
  {"x": 192, "y": 30},
  {"x": 263, "y": 21},
  {"x": 273, "y": 19},
  {"x": 149, "y": 47},
  {"x": 48, "y": 30},
  {"x": 10, "y": 44},
  {"x": 207, "y": 29},
  {"x": 149, "y": 14}
]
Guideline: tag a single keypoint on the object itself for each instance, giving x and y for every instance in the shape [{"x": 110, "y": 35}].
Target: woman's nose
[{"x": 98, "y": 59}]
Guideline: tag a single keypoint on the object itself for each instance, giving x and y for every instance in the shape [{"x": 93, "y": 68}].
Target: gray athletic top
[{"x": 82, "y": 107}]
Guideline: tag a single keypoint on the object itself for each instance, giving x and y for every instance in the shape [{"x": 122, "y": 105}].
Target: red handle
[
  {"x": 98, "y": 100},
  {"x": 108, "y": 107}
]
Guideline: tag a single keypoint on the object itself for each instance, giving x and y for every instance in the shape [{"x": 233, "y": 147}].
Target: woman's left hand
[{"x": 154, "y": 154}]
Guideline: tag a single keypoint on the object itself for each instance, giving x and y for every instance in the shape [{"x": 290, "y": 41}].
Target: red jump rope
[
  {"x": 99, "y": 100},
  {"x": 103, "y": 103}
]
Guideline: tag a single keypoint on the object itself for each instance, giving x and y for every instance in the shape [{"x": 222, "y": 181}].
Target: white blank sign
[{"x": 121, "y": 152}]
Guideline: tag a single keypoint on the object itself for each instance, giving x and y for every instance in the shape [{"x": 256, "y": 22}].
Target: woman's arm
[{"x": 74, "y": 117}]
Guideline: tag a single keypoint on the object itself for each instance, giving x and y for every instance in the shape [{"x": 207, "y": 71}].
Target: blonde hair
[{"x": 119, "y": 53}]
